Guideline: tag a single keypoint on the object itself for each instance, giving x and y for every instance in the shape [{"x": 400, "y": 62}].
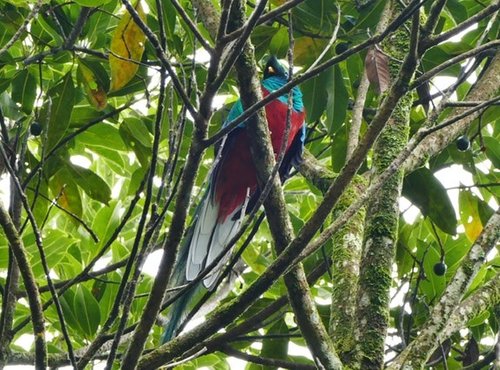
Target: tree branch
[
  {"x": 482, "y": 299},
  {"x": 265, "y": 360}
]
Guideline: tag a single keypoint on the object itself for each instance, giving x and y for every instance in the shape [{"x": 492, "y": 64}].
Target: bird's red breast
[{"x": 236, "y": 171}]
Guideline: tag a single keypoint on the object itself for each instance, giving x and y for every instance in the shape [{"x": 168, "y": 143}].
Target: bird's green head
[{"x": 274, "y": 68}]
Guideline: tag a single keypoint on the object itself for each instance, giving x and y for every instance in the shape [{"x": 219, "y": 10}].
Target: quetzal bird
[{"x": 233, "y": 179}]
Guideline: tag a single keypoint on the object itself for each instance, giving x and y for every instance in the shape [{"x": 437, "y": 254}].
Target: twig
[
  {"x": 330, "y": 42},
  {"x": 434, "y": 40},
  {"x": 135, "y": 349},
  {"x": 192, "y": 26},
  {"x": 464, "y": 114},
  {"x": 34, "y": 11},
  {"x": 434, "y": 71},
  {"x": 43, "y": 260},
  {"x": 34, "y": 300},
  {"x": 267, "y": 361},
  {"x": 160, "y": 53},
  {"x": 69, "y": 213}
]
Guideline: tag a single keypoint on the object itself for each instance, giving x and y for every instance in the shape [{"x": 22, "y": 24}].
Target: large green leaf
[
  {"x": 279, "y": 43},
  {"x": 24, "y": 90},
  {"x": 275, "y": 347},
  {"x": 492, "y": 150},
  {"x": 338, "y": 99},
  {"x": 65, "y": 191},
  {"x": 106, "y": 221},
  {"x": 86, "y": 310},
  {"x": 91, "y": 183},
  {"x": 426, "y": 192},
  {"x": 70, "y": 316},
  {"x": 61, "y": 104},
  {"x": 55, "y": 245},
  {"x": 316, "y": 16},
  {"x": 315, "y": 95}
]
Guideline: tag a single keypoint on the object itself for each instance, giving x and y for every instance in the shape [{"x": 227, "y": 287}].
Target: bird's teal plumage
[{"x": 271, "y": 84}]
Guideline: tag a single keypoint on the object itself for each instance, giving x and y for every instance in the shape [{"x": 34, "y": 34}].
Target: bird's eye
[{"x": 270, "y": 70}]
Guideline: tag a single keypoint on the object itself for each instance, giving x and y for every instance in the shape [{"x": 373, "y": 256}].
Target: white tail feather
[
  {"x": 209, "y": 240},
  {"x": 200, "y": 242},
  {"x": 223, "y": 233}
]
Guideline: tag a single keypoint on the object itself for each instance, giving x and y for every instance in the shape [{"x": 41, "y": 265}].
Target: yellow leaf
[
  {"x": 127, "y": 46},
  {"x": 469, "y": 214},
  {"x": 95, "y": 93}
]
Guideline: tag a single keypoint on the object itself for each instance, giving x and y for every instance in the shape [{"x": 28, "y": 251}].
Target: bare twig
[
  {"x": 34, "y": 300},
  {"x": 33, "y": 13}
]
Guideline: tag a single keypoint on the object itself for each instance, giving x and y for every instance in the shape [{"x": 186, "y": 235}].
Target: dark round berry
[
  {"x": 440, "y": 268},
  {"x": 341, "y": 47},
  {"x": 463, "y": 143},
  {"x": 35, "y": 129}
]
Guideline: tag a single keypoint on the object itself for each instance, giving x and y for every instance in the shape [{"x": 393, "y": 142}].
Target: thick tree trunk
[{"x": 382, "y": 224}]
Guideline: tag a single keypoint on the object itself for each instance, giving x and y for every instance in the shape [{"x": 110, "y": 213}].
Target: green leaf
[
  {"x": 91, "y": 183},
  {"x": 339, "y": 149},
  {"x": 24, "y": 90},
  {"x": 44, "y": 29},
  {"x": 55, "y": 245},
  {"x": 492, "y": 150},
  {"x": 479, "y": 319},
  {"x": 275, "y": 347},
  {"x": 98, "y": 24},
  {"x": 338, "y": 99},
  {"x": 315, "y": 95},
  {"x": 87, "y": 311},
  {"x": 92, "y": 3},
  {"x": 66, "y": 191},
  {"x": 279, "y": 43},
  {"x": 369, "y": 15},
  {"x": 426, "y": 192},
  {"x": 261, "y": 38},
  {"x": 137, "y": 128},
  {"x": 315, "y": 16},
  {"x": 106, "y": 221},
  {"x": 70, "y": 316},
  {"x": 63, "y": 99}
]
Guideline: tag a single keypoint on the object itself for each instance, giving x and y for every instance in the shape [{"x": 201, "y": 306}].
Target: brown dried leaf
[
  {"x": 471, "y": 352},
  {"x": 377, "y": 69}
]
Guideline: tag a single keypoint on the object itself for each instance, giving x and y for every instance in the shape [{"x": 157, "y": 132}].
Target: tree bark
[{"x": 381, "y": 223}]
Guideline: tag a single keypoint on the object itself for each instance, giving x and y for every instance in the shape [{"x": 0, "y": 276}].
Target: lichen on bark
[{"x": 346, "y": 255}]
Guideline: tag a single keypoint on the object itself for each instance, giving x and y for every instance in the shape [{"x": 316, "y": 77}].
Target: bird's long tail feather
[{"x": 179, "y": 309}]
